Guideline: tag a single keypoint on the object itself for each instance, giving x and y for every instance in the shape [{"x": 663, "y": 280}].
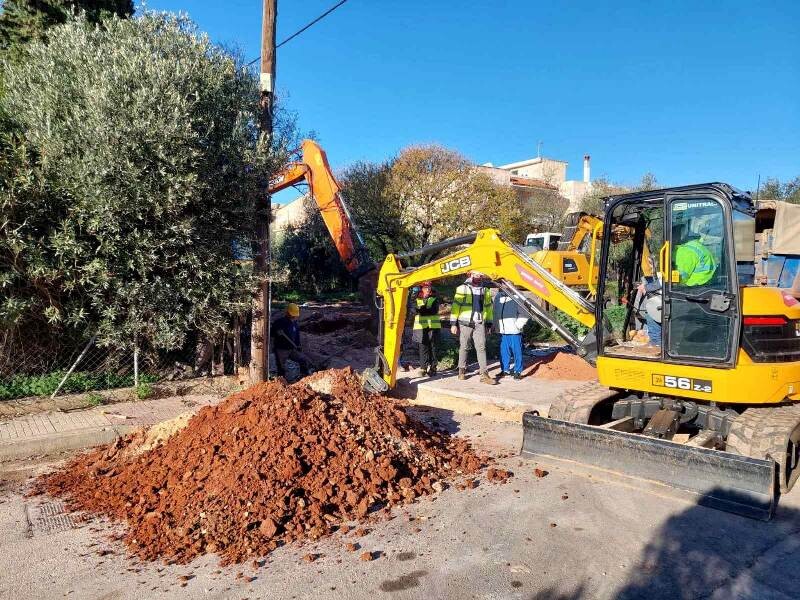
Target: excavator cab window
[
  {"x": 631, "y": 292},
  {"x": 700, "y": 290}
]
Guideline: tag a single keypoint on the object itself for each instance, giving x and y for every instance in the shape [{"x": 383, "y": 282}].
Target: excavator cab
[{"x": 687, "y": 310}]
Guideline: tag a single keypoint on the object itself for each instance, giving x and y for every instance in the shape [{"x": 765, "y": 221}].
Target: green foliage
[
  {"x": 616, "y": 316},
  {"x": 22, "y": 21},
  {"x": 377, "y": 213},
  {"x": 22, "y": 386},
  {"x": 134, "y": 171},
  {"x": 95, "y": 399},
  {"x": 306, "y": 259},
  {"x": 774, "y": 189},
  {"x": 441, "y": 195},
  {"x": 144, "y": 391},
  {"x": 447, "y": 352}
]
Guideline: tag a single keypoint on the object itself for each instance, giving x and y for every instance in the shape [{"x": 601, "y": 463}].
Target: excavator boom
[
  {"x": 327, "y": 194},
  {"x": 488, "y": 252}
]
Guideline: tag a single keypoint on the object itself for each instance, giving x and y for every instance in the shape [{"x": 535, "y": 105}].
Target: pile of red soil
[
  {"x": 564, "y": 366},
  {"x": 270, "y": 465}
]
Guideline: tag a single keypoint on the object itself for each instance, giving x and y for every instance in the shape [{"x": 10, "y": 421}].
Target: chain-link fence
[{"x": 30, "y": 370}]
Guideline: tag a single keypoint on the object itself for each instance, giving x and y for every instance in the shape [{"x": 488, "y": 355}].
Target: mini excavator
[{"x": 713, "y": 409}]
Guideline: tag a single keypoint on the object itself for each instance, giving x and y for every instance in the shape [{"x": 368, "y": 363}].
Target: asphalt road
[{"x": 565, "y": 536}]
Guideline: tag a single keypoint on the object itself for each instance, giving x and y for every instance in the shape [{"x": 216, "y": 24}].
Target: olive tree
[
  {"x": 24, "y": 20},
  {"x": 131, "y": 182}
]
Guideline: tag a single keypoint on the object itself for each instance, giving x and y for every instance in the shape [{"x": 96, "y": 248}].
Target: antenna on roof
[
  {"x": 539, "y": 149},
  {"x": 758, "y": 188}
]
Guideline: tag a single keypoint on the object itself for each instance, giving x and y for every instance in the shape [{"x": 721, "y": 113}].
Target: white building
[{"x": 548, "y": 172}]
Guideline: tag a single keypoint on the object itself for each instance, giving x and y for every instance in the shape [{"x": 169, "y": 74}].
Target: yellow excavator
[
  {"x": 712, "y": 408},
  {"x": 569, "y": 261}
]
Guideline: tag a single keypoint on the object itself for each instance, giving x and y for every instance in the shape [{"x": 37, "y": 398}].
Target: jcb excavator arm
[
  {"x": 315, "y": 170},
  {"x": 492, "y": 255}
]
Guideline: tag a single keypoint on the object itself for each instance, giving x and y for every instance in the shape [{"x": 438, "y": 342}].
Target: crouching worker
[
  {"x": 509, "y": 320},
  {"x": 285, "y": 334},
  {"x": 427, "y": 326}
]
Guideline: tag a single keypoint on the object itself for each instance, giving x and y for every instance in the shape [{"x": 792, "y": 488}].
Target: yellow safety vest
[
  {"x": 461, "y": 310},
  {"x": 695, "y": 263},
  {"x": 426, "y": 321}
]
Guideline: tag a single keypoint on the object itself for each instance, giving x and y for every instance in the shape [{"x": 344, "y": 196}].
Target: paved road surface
[{"x": 522, "y": 540}]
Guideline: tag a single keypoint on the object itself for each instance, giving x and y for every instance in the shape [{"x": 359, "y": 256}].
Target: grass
[
  {"x": 95, "y": 399},
  {"x": 144, "y": 391},
  {"x": 22, "y": 386},
  {"x": 280, "y": 299}
]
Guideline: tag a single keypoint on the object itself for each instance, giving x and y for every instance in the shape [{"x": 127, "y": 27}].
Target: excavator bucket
[
  {"x": 372, "y": 382},
  {"x": 721, "y": 480}
]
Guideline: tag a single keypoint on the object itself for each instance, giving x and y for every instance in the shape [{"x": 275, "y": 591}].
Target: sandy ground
[{"x": 567, "y": 535}]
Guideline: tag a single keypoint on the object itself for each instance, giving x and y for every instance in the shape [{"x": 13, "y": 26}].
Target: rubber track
[
  {"x": 763, "y": 432},
  {"x": 576, "y": 405}
]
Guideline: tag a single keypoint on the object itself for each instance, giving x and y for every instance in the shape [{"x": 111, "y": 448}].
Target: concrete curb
[{"x": 59, "y": 442}]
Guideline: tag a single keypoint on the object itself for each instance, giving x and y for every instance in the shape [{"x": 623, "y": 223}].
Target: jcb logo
[{"x": 455, "y": 264}]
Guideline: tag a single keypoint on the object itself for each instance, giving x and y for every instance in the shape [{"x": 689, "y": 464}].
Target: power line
[{"x": 302, "y": 29}]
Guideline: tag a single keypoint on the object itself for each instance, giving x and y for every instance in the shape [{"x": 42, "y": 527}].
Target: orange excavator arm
[{"x": 324, "y": 189}]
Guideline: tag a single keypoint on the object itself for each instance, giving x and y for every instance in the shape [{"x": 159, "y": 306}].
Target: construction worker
[
  {"x": 695, "y": 263},
  {"x": 470, "y": 317},
  {"x": 427, "y": 326},
  {"x": 509, "y": 321},
  {"x": 285, "y": 334},
  {"x": 696, "y": 266}
]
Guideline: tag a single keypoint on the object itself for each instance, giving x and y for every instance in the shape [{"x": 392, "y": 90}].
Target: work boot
[
  {"x": 517, "y": 376},
  {"x": 462, "y": 374},
  {"x": 503, "y": 374},
  {"x": 486, "y": 378},
  {"x": 432, "y": 371}
]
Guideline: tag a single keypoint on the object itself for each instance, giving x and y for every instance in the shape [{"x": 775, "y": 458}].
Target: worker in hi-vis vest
[
  {"x": 695, "y": 263},
  {"x": 427, "y": 326},
  {"x": 470, "y": 320}
]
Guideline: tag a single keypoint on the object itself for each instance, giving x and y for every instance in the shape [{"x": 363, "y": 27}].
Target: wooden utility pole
[{"x": 259, "y": 344}]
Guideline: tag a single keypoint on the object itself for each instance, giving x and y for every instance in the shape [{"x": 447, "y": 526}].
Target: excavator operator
[{"x": 696, "y": 266}]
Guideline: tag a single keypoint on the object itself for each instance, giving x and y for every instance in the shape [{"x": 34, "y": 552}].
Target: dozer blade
[{"x": 721, "y": 480}]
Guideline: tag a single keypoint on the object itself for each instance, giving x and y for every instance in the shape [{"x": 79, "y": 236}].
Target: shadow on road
[
  {"x": 552, "y": 594},
  {"x": 703, "y": 552}
]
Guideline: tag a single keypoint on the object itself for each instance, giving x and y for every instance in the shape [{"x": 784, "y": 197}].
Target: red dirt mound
[
  {"x": 269, "y": 465},
  {"x": 564, "y": 366}
]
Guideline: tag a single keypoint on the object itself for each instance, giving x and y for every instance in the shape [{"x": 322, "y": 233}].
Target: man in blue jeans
[{"x": 509, "y": 321}]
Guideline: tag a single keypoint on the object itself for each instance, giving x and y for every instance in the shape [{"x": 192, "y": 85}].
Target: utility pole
[{"x": 259, "y": 344}]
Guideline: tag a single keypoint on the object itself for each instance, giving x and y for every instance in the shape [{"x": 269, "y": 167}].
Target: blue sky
[{"x": 691, "y": 91}]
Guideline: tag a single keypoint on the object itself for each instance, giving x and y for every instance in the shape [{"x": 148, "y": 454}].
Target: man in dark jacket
[{"x": 285, "y": 334}]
